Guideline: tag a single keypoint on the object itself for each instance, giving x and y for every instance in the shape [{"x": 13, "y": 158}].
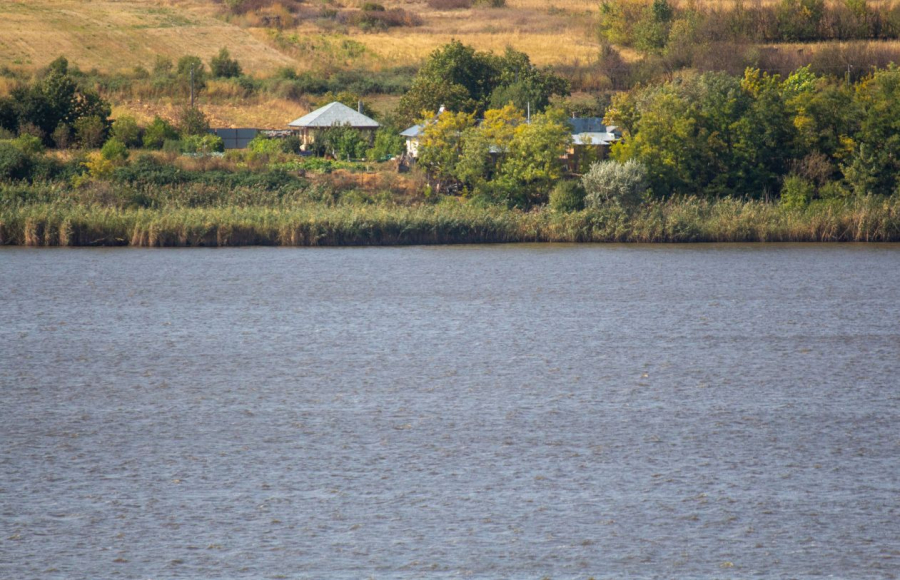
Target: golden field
[{"x": 113, "y": 35}]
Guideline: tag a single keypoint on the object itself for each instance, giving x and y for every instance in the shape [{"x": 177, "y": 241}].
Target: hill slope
[{"x": 112, "y": 35}]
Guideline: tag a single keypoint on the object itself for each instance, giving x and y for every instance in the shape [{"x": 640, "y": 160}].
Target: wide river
[{"x": 703, "y": 411}]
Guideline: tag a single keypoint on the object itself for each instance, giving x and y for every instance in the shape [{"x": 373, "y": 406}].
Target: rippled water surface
[{"x": 484, "y": 412}]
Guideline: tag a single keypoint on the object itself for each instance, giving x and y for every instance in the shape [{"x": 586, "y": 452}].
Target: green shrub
[
  {"x": 567, "y": 196},
  {"x": 796, "y": 192},
  {"x": 46, "y": 168},
  {"x": 291, "y": 144},
  {"x": 158, "y": 132},
  {"x": 192, "y": 121},
  {"x": 611, "y": 182},
  {"x": 343, "y": 142},
  {"x": 223, "y": 66},
  {"x": 91, "y": 131},
  {"x": 29, "y": 144},
  {"x": 14, "y": 162},
  {"x": 114, "y": 150},
  {"x": 126, "y": 130},
  {"x": 388, "y": 143},
  {"x": 262, "y": 145},
  {"x": 62, "y": 136},
  {"x": 203, "y": 144}
]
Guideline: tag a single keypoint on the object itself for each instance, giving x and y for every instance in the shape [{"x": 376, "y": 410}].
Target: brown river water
[{"x": 522, "y": 411}]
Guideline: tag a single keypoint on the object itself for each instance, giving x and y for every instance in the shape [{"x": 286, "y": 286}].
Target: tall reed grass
[{"x": 680, "y": 220}]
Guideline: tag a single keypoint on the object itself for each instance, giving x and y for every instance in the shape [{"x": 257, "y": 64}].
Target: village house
[
  {"x": 591, "y": 139},
  {"x": 332, "y": 115}
]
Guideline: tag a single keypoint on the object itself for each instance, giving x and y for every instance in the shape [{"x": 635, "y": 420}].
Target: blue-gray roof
[
  {"x": 587, "y": 125},
  {"x": 414, "y": 131},
  {"x": 335, "y": 114}
]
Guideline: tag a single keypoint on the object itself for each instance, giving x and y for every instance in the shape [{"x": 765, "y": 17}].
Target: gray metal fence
[{"x": 235, "y": 138}]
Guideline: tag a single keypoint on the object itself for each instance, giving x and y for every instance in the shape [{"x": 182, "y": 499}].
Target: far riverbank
[{"x": 68, "y": 222}]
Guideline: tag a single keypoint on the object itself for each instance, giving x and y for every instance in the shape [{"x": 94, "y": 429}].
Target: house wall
[
  {"x": 308, "y": 136},
  {"x": 412, "y": 147}
]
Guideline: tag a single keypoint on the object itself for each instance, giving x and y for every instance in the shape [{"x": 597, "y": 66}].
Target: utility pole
[
  {"x": 849, "y": 66},
  {"x": 192, "y": 86}
]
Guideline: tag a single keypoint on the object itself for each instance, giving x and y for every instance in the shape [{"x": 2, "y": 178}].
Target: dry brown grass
[
  {"x": 257, "y": 112},
  {"x": 114, "y": 35}
]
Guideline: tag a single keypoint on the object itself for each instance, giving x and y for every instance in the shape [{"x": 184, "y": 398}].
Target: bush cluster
[
  {"x": 806, "y": 136},
  {"x": 654, "y": 26}
]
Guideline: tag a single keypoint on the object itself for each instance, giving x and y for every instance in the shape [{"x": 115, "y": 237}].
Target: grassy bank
[{"x": 684, "y": 220}]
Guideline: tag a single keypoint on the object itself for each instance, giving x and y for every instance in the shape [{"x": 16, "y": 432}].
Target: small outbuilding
[
  {"x": 413, "y": 135},
  {"x": 591, "y": 139},
  {"x": 332, "y": 115}
]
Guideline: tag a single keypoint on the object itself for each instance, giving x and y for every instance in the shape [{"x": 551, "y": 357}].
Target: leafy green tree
[
  {"x": 343, "y": 142},
  {"x": 126, "y": 130},
  {"x": 192, "y": 121},
  {"x": 15, "y": 164},
  {"x": 441, "y": 146},
  {"x": 91, "y": 131},
  {"x": 651, "y": 32},
  {"x": 874, "y": 164},
  {"x": 56, "y": 99},
  {"x": 459, "y": 78},
  {"x": 388, "y": 143},
  {"x": 158, "y": 132},
  {"x": 29, "y": 144},
  {"x": 799, "y": 19},
  {"x": 9, "y": 119},
  {"x": 60, "y": 66},
  {"x": 223, "y": 66},
  {"x": 452, "y": 70},
  {"x": 533, "y": 163},
  {"x": 183, "y": 74},
  {"x": 522, "y": 84},
  {"x": 618, "y": 19},
  {"x": 485, "y": 145},
  {"x": 710, "y": 135},
  {"x": 429, "y": 94}
]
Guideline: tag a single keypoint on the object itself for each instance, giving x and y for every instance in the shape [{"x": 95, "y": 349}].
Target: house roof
[
  {"x": 586, "y": 125},
  {"x": 594, "y": 138},
  {"x": 335, "y": 114},
  {"x": 414, "y": 131}
]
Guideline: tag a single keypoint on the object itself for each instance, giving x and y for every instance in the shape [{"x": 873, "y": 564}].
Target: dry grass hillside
[{"x": 113, "y": 35}]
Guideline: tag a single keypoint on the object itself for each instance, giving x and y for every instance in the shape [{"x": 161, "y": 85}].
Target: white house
[{"x": 332, "y": 115}]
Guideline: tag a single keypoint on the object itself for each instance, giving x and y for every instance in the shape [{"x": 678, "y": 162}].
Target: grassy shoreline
[{"x": 681, "y": 220}]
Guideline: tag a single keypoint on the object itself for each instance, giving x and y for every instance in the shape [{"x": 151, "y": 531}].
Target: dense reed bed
[{"x": 679, "y": 220}]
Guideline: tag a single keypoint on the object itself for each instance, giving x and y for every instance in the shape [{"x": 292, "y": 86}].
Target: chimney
[{"x": 359, "y": 106}]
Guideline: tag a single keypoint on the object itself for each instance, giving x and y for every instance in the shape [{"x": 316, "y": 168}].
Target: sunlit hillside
[{"x": 113, "y": 35}]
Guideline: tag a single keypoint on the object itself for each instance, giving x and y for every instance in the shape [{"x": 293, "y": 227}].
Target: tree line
[
  {"x": 654, "y": 26},
  {"x": 802, "y": 137}
]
